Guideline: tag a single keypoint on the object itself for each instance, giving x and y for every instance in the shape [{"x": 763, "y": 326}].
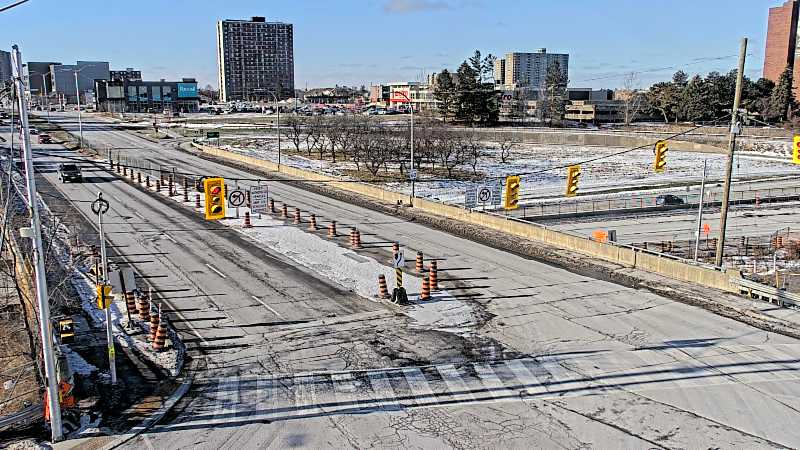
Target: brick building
[{"x": 782, "y": 47}]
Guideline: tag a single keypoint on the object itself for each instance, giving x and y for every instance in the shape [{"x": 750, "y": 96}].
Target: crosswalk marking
[
  {"x": 286, "y": 396},
  {"x": 420, "y": 389}
]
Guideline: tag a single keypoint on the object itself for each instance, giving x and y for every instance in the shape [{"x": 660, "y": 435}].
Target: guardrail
[
  {"x": 756, "y": 290},
  {"x": 23, "y": 417}
]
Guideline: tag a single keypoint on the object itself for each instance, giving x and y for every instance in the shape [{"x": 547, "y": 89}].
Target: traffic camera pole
[
  {"x": 102, "y": 207},
  {"x": 38, "y": 257},
  {"x": 726, "y": 192}
]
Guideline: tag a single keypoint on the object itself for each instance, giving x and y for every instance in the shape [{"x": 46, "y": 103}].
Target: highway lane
[{"x": 539, "y": 326}]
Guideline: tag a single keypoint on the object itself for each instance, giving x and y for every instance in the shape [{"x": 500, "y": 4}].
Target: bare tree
[
  {"x": 473, "y": 151},
  {"x": 295, "y": 131},
  {"x": 451, "y": 151},
  {"x": 631, "y": 98},
  {"x": 506, "y": 142},
  {"x": 314, "y": 134}
]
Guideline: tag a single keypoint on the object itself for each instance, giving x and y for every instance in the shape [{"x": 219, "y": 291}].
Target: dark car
[
  {"x": 44, "y": 138},
  {"x": 668, "y": 200},
  {"x": 69, "y": 172}
]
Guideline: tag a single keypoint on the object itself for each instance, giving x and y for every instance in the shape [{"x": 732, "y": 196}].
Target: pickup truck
[{"x": 69, "y": 172}]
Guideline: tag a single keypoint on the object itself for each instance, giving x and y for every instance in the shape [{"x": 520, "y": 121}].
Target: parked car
[
  {"x": 44, "y": 138},
  {"x": 669, "y": 199},
  {"x": 33, "y": 131},
  {"x": 69, "y": 172}
]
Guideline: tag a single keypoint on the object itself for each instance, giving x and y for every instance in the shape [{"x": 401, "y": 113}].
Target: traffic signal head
[
  {"x": 573, "y": 176},
  {"x": 796, "y": 150},
  {"x": 511, "y": 200},
  {"x": 215, "y": 198},
  {"x": 661, "y": 156}
]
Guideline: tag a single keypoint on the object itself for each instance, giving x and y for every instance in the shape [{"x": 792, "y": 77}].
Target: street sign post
[{"x": 259, "y": 198}]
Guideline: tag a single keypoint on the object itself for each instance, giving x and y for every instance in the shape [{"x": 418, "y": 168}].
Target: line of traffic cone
[
  {"x": 297, "y": 216},
  {"x": 247, "y": 223},
  {"x": 420, "y": 264},
  {"x": 383, "y": 289},
  {"x": 355, "y": 238},
  {"x": 130, "y": 303},
  {"x": 332, "y": 229},
  {"x": 285, "y": 211},
  {"x": 144, "y": 308},
  {"x": 312, "y": 222}
]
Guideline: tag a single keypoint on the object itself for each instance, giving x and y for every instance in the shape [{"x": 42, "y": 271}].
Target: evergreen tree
[
  {"x": 467, "y": 88},
  {"x": 445, "y": 93},
  {"x": 556, "y": 92},
  {"x": 694, "y": 104}
]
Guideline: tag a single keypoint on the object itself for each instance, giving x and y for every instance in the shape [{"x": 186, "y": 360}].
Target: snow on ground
[
  {"x": 76, "y": 362},
  {"x": 631, "y": 169}
]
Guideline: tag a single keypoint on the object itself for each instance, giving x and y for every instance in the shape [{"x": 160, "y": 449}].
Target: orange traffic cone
[{"x": 383, "y": 290}]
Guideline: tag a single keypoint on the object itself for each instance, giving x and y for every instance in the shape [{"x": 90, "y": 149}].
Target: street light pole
[
  {"x": 112, "y": 363},
  {"x": 80, "y": 122},
  {"x": 38, "y": 256},
  {"x": 723, "y": 219},
  {"x": 278, "y": 127},
  {"x": 47, "y": 96}
]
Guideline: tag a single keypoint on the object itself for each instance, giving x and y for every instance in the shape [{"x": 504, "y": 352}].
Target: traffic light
[
  {"x": 215, "y": 198},
  {"x": 796, "y": 150},
  {"x": 573, "y": 175},
  {"x": 104, "y": 297},
  {"x": 661, "y": 156},
  {"x": 512, "y": 192}
]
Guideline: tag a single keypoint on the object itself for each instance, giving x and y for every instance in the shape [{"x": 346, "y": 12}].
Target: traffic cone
[
  {"x": 395, "y": 250},
  {"x": 125, "y": 171},
  {"x": 248, "y": 198},
  {"x": 432, "y": 273},
  {"x": 420, "y": 266},
  {"x": 171, "y": 181},
  {"x": 285, "y": 211},
  {"x": 158, "y": 185},
  {"x": 154, "y": 322},
  {"x": 426, "y": 290},
  {"x": 144, "y": 308},
  {"x": 332, "y": 229},
  {"x": 185, "y": 190},
  {"x": 147, "y": 181},
  {"x": 312, "y": 222},
  {"x": 111, "y": 163},
  {"x": 272, "y": 206},
  {"x": 130, "y": 303},
  {"x": 247, "y": 223},
  {"x": 197, "y": 201},
  {"x": 297, "y": 215},
  {"x": 161, "y": 335},
  {"x": 352, "y": 237},
  {"x": 139, "y": 177},
  {"x": 383, "y": 290}
]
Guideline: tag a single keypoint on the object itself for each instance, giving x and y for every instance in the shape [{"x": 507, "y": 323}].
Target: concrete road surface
[{"x": 548, "y": 359}]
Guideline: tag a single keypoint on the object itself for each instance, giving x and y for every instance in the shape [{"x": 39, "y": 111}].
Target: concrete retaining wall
[
  {"x": 611, "y": 139},
  {"x": 625, "y": 256}
]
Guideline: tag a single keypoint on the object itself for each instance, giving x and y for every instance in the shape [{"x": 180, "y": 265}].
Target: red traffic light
[{"x": 216, "y": 190}]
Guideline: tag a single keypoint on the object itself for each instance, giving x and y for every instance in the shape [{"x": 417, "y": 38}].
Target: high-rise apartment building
[
  {"x": 782, "y": 48},
  {"x": 256, "y": 59},
  {"x": 528, "y": 69}
]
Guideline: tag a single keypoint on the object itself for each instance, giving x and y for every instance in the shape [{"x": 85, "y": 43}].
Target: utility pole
[
  {"x": 735, "y": 129},
  {"x": 78, "y": 96},
  {"x": 700, "y": 211},
  {"x": 38, "y": 257}
]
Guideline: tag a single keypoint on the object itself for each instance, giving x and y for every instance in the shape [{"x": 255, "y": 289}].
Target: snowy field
[{"x": 630, "y": 170}]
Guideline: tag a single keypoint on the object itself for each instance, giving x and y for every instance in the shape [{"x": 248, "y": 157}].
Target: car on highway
[
  {"x": 669, "y": 200},
  {"x": 69, "y": 172},
  {"x": 45, "y": 138}
]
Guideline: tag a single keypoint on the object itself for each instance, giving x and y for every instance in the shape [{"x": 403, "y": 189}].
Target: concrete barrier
[{"x": 622, "y": 255}]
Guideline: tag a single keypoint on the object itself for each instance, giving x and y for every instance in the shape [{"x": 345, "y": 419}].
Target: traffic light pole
[
  {"x": 726, "y": 192},
  {"x": 38, "y": 257},
  {"x": 101, "y": 209}
]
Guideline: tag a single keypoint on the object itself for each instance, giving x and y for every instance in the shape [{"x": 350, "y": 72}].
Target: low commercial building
[
  {"x": 136, "y": 96},
  {"x": 398, "y": 94},
  {"x": 339, "y": 95},
  {"x": 595, "y": 111}
]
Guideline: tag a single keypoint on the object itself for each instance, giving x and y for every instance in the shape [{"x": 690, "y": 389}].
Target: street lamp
[
  {"x": 277, "y": 126},
  {"x": 412, "y": 174},
  {"x": 78, "y": 97}
]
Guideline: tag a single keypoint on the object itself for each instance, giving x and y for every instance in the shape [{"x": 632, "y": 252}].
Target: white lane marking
[
  {"x": 455, "y": 384},
  {"x": 184, "y": 320},
  {"x": 492, "y": 382},
  {"x": 420, "y": 389},
  {"x": 267, "y": 306},
  {"x": 136, "y": 213},
  {"x": 171, "y": 238},
  {"x": 115, "y": 198},
  {"x": 217, "y": 271}
]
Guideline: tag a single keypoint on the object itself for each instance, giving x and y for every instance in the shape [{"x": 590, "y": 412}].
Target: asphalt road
[{"x": 548, "y": 358}]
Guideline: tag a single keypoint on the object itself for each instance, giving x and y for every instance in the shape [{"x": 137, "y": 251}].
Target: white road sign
[
  {"x": 259, "y": 196},
  {"x": 399, "y": 260}
]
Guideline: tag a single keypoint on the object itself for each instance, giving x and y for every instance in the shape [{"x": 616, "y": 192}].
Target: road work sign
[{"x": 259, "y": 197}]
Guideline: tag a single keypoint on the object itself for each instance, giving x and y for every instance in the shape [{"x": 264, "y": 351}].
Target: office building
[
  {"x": 63, "y": 78},
  {"x": 528, "y": 69},
  {"x": 39, "y": 78},
  {"x": 137, "y": 96},
  {"x": 782, "y": 48},
  {"x": 256, "y": 60},
  {"x": 5, "y": 66}
]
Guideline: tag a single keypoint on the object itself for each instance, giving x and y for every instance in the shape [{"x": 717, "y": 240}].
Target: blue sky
[{"x": 370, "y": 41}]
